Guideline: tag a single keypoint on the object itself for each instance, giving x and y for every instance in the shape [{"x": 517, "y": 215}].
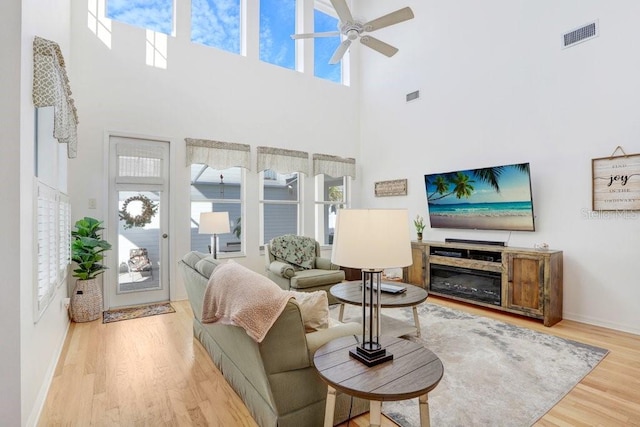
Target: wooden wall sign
[
  {"x": 616, "y": 182},
  {"x": 396, "y": 187}
]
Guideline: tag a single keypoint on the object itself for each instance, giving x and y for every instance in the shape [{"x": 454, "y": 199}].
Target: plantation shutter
[
  {"x": 53, "y": 237},
  {"x": 47, "y": 250},
  {"x": 64, "y": 234}
]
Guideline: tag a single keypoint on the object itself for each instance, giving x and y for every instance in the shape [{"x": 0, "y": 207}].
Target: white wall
[
  {"x": 41, "y": 341},
  {"x": 497, "y": 88},
  {"x": 203, "y": 93},
  {"x": 10, "y": 213}
]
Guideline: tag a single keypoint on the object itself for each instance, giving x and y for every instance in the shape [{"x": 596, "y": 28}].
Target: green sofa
[{"x": 275, "y": 378}]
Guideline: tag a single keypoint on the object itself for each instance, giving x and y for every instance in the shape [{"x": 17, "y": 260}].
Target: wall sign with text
[
  {"x": 396, "y": 187},
  {"x": 616, "y": 183}
]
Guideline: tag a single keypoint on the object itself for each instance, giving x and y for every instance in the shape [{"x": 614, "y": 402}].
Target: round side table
[{"x": 413, "y": 372}]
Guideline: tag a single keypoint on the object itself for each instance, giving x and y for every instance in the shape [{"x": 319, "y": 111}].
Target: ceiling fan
[{"x": 354, "y": 29}]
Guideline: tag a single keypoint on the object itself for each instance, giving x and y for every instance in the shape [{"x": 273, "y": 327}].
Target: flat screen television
[{"x": 493, "y": 198}]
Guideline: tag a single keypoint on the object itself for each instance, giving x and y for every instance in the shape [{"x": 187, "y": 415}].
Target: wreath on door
[{"x": 149, "y": 209}]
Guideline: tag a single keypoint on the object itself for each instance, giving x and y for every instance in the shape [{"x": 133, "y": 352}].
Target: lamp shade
[
  {"x": 372, "y": 239},
  {"x": 214, "y": 223}
]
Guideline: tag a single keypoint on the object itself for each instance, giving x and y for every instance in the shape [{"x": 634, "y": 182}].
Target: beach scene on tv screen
[{"x": 495, "y": 198}]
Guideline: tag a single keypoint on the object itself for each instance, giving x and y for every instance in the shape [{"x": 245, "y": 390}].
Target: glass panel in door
[{"x": 139, "y": 241}]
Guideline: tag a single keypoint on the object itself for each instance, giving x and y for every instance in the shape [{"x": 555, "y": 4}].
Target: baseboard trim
[{"x": 601, "y": 323}]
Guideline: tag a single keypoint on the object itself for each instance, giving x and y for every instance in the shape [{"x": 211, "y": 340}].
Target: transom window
[
  {"x": 156, "y": 15},
  {"x": 324, "y": 47},
  {"x": 216, "y": 23},
  {"x": 222, "y": 24},
  {"x": 277, "y": 23}
]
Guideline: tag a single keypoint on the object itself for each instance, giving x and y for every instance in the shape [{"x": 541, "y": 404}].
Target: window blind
[{"x": 139, "y": 163}]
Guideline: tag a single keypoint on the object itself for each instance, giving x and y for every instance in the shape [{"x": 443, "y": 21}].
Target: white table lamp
[
  {"x": 371, "y": 240},
  {"x": 214, "y": 223}
]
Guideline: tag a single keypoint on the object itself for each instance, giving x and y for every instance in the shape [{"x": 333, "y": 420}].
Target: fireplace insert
[{"x": 477, "y": 285}]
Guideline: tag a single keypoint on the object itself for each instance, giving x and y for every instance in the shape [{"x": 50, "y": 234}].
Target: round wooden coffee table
[
  {"x": 351, "y": 293},
  {"x": 413, "y": 372}
]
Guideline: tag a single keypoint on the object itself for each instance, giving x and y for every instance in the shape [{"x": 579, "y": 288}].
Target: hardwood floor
[{"x": 151, "y": 372}]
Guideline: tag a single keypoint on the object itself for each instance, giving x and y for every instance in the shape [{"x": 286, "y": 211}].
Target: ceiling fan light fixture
[{"x": 353, "y": 29}]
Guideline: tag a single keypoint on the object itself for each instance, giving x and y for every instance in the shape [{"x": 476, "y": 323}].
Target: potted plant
[
  {"x": 419, "y": 224},
  {"x": 87, "y": 252}
]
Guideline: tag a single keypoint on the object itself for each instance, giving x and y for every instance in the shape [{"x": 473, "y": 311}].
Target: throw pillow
[
  {"x": 314, "y": 308},
  {"x": 297, "y": 250},
  {"x": 206, "y": 266}
]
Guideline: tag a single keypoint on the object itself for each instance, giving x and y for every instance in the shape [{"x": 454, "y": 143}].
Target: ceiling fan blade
[
  {"x": 344, "y": 14},
  {"x": 340, "y": 51},
  {"x": 379, "y": 45},
  {"x": 312, "y": 35},
  {"x": 392, "y": 18}
]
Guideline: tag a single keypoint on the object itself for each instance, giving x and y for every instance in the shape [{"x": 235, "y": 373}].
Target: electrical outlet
[
  {"x": 92, "y": 203},
  {"x": 65, "y": 303}
]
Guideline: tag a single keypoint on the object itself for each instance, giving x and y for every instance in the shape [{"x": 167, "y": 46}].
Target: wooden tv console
[{"x": 531, "y": 280}]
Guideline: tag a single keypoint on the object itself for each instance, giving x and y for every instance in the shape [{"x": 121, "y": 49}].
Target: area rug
[
  {"x": 127, "y": 313},
  {"x": 495, "y": 374}
]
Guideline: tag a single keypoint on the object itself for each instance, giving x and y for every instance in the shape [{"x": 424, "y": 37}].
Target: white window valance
[
  {"x": 282, "y": 160},
  {"x": 217, "y": 154},
  {"x": 334, "y": 166},
  {"x": 51, "y": 89}
]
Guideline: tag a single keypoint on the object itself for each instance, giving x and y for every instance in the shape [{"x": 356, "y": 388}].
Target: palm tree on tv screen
[{"x": 462, "y": 183}]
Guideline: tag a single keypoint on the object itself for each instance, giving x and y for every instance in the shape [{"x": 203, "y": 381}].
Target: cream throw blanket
[{"x": 238, "y": 296}]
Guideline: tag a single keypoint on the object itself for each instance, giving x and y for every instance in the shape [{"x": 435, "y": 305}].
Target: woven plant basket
[{"x": 86, "y": 301}]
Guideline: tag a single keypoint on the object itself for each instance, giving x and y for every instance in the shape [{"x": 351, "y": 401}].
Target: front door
[{"x": 138, "y": 205}]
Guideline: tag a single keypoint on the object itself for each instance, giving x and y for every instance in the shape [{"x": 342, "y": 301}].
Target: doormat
[{"x": 127, "y": 313}]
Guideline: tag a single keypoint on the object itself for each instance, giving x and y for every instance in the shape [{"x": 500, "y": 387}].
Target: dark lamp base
[{"x": 370, "y": 357}]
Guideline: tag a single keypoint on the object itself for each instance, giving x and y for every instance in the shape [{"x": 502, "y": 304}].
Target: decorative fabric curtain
[
  {"x": 282, "y": 160},
  {"x": 334, "y": 166},
  {"x": 51, "y": 89},
  {"x": 217, "y": 154}
]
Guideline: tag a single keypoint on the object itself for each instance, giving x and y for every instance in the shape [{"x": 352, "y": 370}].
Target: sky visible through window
[
  {"x": 156, "y": 15},
  {"x": 325, "y": 46},
  {"x": 277, "y": 23},
  {"x": 216, "y": 23}
]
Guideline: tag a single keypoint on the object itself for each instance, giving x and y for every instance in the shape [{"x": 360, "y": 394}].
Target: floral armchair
[{"x": 294, "y": 262}]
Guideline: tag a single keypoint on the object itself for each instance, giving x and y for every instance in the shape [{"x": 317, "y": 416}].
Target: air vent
[
  {"x": 413, "y": 96},
  {"x": 579, "y": 35}
]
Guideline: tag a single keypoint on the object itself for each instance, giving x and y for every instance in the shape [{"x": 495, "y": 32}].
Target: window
[
  {"x": 325, "y": 46},
  {"x": 214, "y": 190},
  {"x": 277, "y": 23},
  {"x": 216, "y": 23},
  {"x": 156, "y": 15},
  {"x": 331, "y": 195},
  {"x": 280, "y": 204}
]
